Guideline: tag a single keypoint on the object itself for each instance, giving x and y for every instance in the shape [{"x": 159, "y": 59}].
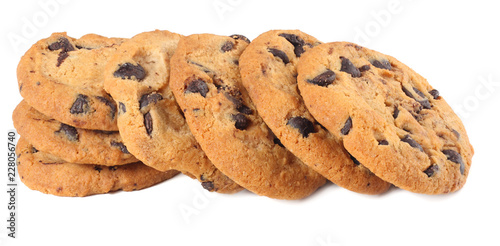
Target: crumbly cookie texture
[
  {"x": 72, "y": 144},
  {"x": 149, "y": 120},
  {"x": 51, "y": 175},
  {"x": 62, "y": 77},
  {"x": 207, "y": 85},
  {"x": 387, "y": 116},
  {"x": 269, "y": 74}
]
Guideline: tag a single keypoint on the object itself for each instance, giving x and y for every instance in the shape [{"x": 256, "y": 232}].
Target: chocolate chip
[
  {"x": 148, "y": 123},
  {"x": 304, "y": 125},
  {"x": 324, "y": 79},
  {"x": 434, "y": 93},
  {"x": 130, "y": 71},
  {"x": 425, "y": 102},
  {"x": 280, "y": 54},
  {"x": 81, "y": 105},
  {"x": 63, "y": 44},
  {"x": 81, "y": 47},
  {"x": 121, "y": 146},
  {"x": 383, "y": 142},
  {"x": 396, "y": 112},
  {"x": 431, "y": 170},
  {"x": 149, "y": 98},
  {"x": 384, "y": 64},
  {"x": 62, "y": 56},
  {"x": 407, "y": 92},
  {"x": 98, "y": 168},
  {"x": 455, "y": 133},
  {"x": 407, "y": 139},
  {"x": 208, "y": 185},
  {"x": 197, "y": 86},
  {"x": 70, "y": 132},
  {"x": 241, "y": 121},
  {"x": 112, "y": 168},
  {"x": 111, "y": 104},
  {"x": 33, "y": 150},
  {"x": 203, "y": 68},
  {"x": 364, "y": 68},
  {"x": 227, "y": 46},
  {"x": 122, "y": 108},
  {"x": 240, "y": 37},
  {"x": 421, "y": 94},
  {"x": 296, "y": 41},
  {"x": 347, "y": 127},
  {"x": 278, "y": 142},
  {"x": 455, "y": 157},
  {"x": 349, "y": 68}
]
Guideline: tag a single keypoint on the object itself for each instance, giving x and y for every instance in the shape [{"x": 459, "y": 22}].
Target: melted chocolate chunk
[
  {"x": 304, "y": 125},
  {"x": 62, "y": 56},
  {"x": 384, "y": 64},
  {"x": 396, "y": 112},
  {"x": 431, "y": 170},
  {"x": 280, "y": 54},
  {"x": 347, "y": 127},
  {"x": 33, "y": 150},
  {"x": 148, "y": 99},
  {"x": 349, "y": 68},
  {"x": 121, "y": 146},
  {"x": 323, "y": 79},
  {"x": 110, "y": 104},
  {"x": 63, "y": 44},
  {"x": 227, "y": 46},
  {"x": 81, "y": 105},
  {"x": 208, "y": 185},
  {"x": 425, "y": 102},
  {"x": 197, "y": 86},
  {"x": 455, "y": 157},
  {"x": 240, "y": 37},
  {"x": 122, "y": 108},
  {"x": 148, "y": 123},
  {"x": 407, "y": 139},
  {"x": 364, "y": 68},
  {"x": 70, "y": 132},
  {"x": 130, "y": 71},
  {"x": 407, "y": 92},
  {"x": 434, "y": 93},
  {"x": 297, "y": 42},
  {"x": 241, "y": 121},
  {"x": 383, "y": 142}
]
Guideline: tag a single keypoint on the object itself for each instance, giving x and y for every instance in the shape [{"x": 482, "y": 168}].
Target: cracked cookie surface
[
  {"x": 149, "y": 120},
  {"x": 268, "y": 70},
  {"x": 62, "y": 77},
  {"x": 387, "y": 116},
  {"x": 207, "y": 85}
]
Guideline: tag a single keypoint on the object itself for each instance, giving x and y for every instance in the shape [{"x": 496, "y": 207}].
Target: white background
[{"x": 454, "y": 44}]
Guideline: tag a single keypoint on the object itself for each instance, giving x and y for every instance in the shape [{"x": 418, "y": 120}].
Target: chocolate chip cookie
[
  {"x": 207, "y": 85},
  {"x": 149, "y": 120},
  {"x": 51, "y": 175},
  {"x": 71, "y": 144},
  {"x": 62, "y": 77},
  {"x": 268, "y": 71},
  {"x": 387, "y": 116}
]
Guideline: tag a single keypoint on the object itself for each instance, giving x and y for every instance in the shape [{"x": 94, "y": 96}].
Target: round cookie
[
  {"x": 269, "y": 74},
  {"x": 207, "y": 85},
  {"x": 387, "y": 116},
  {"x": 150, "y": 121},
  {"x": 74, "y": 145},
  {"x": 52, "y": 175},
  {"x": 62, "y": 77}
]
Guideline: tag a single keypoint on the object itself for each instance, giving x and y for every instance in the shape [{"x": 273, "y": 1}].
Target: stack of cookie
[{"x": 278, "y": 116}]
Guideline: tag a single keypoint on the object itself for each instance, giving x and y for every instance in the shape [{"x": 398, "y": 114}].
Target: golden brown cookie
[
  {"x": 269, "y": 74},
  {"x": 49, "y": 174},
  {"x": 387, "y": 116},
  {"x": 207, "y": 85},
  {"x": 71, "y": 144},
  {"x": 149, "y": 120},
  {"x": 62, "y": 77}
]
